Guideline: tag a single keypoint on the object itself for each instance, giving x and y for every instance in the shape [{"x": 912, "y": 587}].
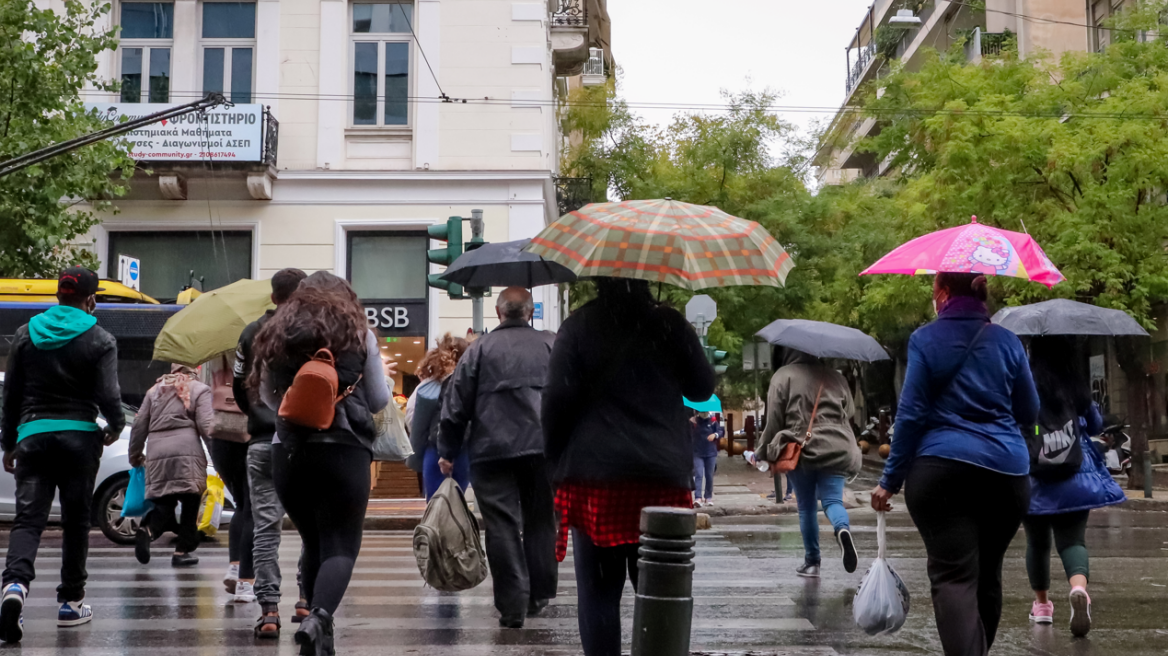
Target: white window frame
[
  {"x": 227, "y": 45},
  {"x": 381, "y": 38},
  {"x": 145, "y": 45}
]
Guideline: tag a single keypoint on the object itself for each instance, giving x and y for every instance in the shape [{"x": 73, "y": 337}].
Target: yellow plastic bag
[{"x": 211, "y": 510}]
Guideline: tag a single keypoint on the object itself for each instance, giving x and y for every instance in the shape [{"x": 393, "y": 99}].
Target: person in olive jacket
[{"x": 805, "y": 392}]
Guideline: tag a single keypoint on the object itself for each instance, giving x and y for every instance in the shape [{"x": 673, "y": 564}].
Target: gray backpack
[{"x": 447, "y": 543}]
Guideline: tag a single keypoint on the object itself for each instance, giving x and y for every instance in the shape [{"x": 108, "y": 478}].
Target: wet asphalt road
[{"x": 746, "y": 594}]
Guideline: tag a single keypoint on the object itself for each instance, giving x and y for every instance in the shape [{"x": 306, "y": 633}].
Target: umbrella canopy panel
[
  {"x": 689, "y": 246},
  {"x": 712, "y": 404},
  {"x": 212, "y": 323},
  {"x": 1063, "y": 316},
  {"x": 823, "y": 340},
  {"x": 505, "y": 264}
]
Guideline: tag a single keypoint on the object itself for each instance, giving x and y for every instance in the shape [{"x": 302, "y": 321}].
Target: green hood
[{"x": 58, "y": 325}]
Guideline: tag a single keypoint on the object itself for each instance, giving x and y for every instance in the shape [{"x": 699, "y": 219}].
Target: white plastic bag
[
  {"x": 392, "y": 443},
  {"x": 881, "y": 604}
]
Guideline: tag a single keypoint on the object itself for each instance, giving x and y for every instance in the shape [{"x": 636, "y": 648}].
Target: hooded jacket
[
  {"x": 790, "y": 403},
  {"x": 172, "y": 436},
  {"x": 612, "y": 406},
  {"x": 62, "y": 371}
]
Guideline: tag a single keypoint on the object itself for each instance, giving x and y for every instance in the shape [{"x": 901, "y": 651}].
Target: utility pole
[{"x": 476, "y": 240}]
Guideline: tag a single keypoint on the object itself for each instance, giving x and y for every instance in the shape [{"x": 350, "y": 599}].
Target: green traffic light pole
[{"x": 476, "y": 240}]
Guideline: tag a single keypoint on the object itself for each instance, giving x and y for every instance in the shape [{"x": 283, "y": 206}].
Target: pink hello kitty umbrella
[{"x": 973, "y": 248}]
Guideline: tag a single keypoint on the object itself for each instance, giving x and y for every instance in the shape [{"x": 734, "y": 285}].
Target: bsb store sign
[
  {"x": 226, "y": 134},
  {"x": 398, "y": 318}
]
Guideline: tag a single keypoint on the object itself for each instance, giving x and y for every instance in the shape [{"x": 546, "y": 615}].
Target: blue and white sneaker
[
  {"x": 74, "y": 613},
  {"x": 12, "y": 613}
]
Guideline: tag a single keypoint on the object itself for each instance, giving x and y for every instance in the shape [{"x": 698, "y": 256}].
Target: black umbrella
[
  {"x": 1066, "y": 317},
  {"x": 505, "y": 265},
  {"x": 824, "y": 340}
]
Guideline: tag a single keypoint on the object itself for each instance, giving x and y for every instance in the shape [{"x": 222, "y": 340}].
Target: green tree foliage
[
  {"x": 46, "y": 59},
  {"x": 1075, "y": 152}
]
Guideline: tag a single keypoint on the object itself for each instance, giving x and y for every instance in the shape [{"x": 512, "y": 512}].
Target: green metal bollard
[{"x": 663, "y": 611}]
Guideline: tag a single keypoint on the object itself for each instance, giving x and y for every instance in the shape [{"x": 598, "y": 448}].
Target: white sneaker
[
  {"x": 244, "y": 593},
  {"x": 231, "y": 578}
]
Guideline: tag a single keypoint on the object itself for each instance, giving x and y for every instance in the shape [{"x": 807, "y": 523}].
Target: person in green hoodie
[{"x": 62, "y": 371}]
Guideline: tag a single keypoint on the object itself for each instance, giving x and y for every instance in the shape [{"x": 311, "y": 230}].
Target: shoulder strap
[{"x": 939, "y": 389}]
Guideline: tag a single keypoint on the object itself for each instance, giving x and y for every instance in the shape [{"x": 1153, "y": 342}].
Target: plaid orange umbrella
[{"x": 689, "y": 246}]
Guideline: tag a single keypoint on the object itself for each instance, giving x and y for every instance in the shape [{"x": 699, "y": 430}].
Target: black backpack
[{"x": 1056, "y": 452}]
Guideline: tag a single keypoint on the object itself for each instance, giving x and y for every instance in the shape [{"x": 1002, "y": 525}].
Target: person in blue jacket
[
  {"x": 1061, "y": 507},
  {"x": 705, "y": 432},
  {"x": 968, "y": 395}
]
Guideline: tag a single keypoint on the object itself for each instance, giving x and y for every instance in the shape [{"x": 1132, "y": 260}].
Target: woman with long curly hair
[
  {"x": 434, "y": 369},
  {"x": 322, "y": 476}
]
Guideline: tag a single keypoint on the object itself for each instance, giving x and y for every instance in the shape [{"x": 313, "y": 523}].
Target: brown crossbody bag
[{"x": 789, "y": 455}]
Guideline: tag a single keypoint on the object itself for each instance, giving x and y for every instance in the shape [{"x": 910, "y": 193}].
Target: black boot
[{"x": 315, "y": 635}]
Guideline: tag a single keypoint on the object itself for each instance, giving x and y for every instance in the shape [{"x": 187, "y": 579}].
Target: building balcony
[
  {"x": 222, "y": 147},
  {"x": 983, "y": 44},
  {"x": 569, "y": 28},
  {"x": 594, "y": 68}
]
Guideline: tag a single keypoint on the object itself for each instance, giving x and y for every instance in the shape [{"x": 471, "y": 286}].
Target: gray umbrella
[
  {"x": 505, "y": 265},
  {"x": 1066, "y": 317},
  {"x": 824, "y": 340}
]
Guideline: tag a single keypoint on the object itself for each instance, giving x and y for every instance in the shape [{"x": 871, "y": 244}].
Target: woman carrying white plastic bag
[{"x": 881, "y": 604}]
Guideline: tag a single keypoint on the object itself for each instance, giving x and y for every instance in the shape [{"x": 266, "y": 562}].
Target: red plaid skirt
[{"x": 609, "y": 513}]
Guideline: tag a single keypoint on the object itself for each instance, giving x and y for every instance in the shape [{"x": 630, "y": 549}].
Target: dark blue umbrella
[
  {"x": 823, "y": 340},
  {"x": 505, "y": 265},
  {"x": 1063, "y": 316}
]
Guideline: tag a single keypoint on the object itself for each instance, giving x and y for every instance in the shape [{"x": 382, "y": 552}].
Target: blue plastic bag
[{"x": 136, "y": 504}]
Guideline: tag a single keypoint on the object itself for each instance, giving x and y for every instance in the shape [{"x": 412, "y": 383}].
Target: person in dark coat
[
  {"x": 266, "y": 510},
  {"x": 1061, "y": 507},
  {"x": 704, "y": 432},
  {"x": 617, "y": 438},
  {"x": 968, "y": 395},
  {"x": 805, "y": 392},
  {"x": 496, "y": 391},
  {"x": 62, "y": 371}
]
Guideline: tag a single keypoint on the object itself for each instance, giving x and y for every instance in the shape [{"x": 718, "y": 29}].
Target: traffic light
[
  {"x": 451, "y": 233},
  {"x": 716, "y": 356}
]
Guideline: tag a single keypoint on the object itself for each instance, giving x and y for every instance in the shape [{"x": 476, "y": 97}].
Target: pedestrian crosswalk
[{"x": 157, "y": 610}]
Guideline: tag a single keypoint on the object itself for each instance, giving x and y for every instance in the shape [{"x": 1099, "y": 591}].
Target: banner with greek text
[{"x": 233, "y": 134}]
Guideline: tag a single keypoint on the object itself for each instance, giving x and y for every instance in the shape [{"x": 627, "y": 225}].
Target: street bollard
[{"x": 663, "y": 611}]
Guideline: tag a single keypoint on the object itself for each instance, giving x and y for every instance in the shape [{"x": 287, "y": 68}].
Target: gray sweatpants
[{"x": 268, "y": 516}]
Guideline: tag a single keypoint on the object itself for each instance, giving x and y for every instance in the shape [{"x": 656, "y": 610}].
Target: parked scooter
[{"x": 1115, "y": 446}]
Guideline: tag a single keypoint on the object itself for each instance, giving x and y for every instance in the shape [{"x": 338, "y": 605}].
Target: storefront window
[
  {"x": 168, "y": 258},
  {"x": 388, "y": 265}
]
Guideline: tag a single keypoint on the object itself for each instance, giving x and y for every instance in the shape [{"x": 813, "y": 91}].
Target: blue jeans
[
  {"x": 828, "y": 488},
  {"x": 432, "y": 476},
  {"x": 704, "y": 470}
]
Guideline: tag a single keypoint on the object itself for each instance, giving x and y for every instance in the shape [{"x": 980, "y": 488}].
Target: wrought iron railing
[
  {"x": 992, "y": 43},
  {"x": 595, "y": 63},
  {"x": 864, "y": 56},
  {"x": 570, "y": 13},
  {"x": 572, "y": 194},
  {"x": 271, "y": 137}
]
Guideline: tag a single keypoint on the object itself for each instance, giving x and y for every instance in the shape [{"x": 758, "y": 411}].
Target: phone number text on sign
[{"x": 234, "y": 133}]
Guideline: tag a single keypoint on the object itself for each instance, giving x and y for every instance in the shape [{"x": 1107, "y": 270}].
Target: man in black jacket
[
  {"x": 266, "y": 509},
  {"x": 62, "y": 371},
  {"x": 496, "y": 392}
]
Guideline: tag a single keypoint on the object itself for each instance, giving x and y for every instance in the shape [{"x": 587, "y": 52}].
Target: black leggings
[
  {"x": 325, "y": 490},
  {"x": 967, "y": 516},
  {"x": 160, "y": 519},
  {"x": 230, "y": 460}
]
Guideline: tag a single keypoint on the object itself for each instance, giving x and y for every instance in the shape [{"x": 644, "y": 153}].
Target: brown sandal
[
  {"x": 264, "y": 633},
  {"x": 302, "y": 611}
]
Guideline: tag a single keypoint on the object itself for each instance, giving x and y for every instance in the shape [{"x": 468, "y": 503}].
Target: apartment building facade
[
  {"x": 902, "y": 30},
  {"x": 356, "y": 125}
]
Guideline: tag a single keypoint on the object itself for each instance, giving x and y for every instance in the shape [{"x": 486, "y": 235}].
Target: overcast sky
[{"x": 686, "y": 51}]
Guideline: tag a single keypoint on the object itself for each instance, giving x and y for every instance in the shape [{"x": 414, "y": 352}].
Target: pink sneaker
[
  {"x": 1042, "y": 613},
  {"x": 1080, "y": 612}
]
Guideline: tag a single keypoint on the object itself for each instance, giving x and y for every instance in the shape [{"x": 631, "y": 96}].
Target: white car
[{"x": 110, "y": 492}]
